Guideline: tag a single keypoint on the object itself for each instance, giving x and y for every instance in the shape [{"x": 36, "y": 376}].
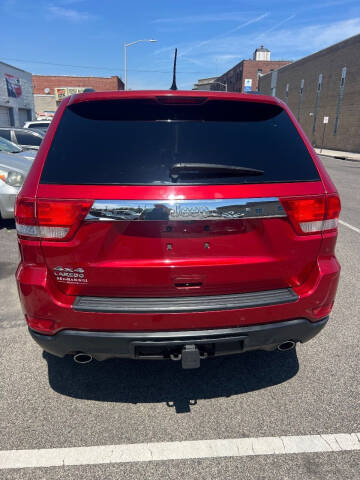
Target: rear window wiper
[{"x": 210, "y": 170}]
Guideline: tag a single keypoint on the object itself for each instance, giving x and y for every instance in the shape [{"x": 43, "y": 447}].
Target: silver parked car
[
  {"x": 13, "y": 171},
  {"x": 10, "y": 147},
  {"x": 25, "y": 137}
]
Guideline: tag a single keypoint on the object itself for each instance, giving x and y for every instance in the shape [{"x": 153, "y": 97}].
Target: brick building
[
  {"x": 324, "y": 84},
  {"x": 16, "y": 97},
  {"x": 244, "y": 76},
  {"x": 49, "y": 90}
]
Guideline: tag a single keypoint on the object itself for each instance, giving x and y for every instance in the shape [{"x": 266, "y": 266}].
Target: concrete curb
[{"x": 349, "y": 156}]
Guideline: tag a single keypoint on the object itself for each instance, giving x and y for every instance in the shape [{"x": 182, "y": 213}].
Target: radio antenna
[{"x": 174, "y": 86}]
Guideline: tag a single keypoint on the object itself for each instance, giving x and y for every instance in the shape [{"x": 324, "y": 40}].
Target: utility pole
[
  {"x": 151, "y": 40},
  {"x": 125, "y": 68}
]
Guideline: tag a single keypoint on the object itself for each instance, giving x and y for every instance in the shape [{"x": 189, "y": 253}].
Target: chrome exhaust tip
[
  {"x": 83, "y": 358},
  {"x": 289, "y": 345}
]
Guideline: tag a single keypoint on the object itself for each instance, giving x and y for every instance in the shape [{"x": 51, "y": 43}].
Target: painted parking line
[
  {"x": 350, "y": 226},
  {"x": 149, "y": 452}
]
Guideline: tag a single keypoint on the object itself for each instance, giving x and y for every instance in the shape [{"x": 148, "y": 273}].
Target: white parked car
[
  {"x": 42, "y": 124},
  {"x": 9, "y": 147}
]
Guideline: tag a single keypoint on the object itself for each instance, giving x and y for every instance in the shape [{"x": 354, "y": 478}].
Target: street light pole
[
  {"x": 125, "y": 68},
  {"x": 151, "y": 40}
]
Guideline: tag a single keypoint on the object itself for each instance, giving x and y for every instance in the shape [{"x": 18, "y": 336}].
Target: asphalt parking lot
[{"x": 51, "y": 403}]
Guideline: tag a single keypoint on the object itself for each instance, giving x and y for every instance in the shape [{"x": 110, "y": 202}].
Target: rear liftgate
[
  {"x": 227, "y": 209},
  {"x": 190, "y": 354}
]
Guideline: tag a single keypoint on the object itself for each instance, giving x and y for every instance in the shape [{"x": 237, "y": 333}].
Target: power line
[{"x": 99, "y": 68}]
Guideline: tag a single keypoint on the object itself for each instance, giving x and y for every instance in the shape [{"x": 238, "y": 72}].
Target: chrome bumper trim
[{"x": 184, "y": 210}]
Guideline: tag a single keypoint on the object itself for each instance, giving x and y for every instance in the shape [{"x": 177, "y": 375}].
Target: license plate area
[{"x": 160, "y": 349}]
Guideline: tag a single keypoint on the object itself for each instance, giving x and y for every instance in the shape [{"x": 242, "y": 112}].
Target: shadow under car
[{"x": 163, "y": 381}]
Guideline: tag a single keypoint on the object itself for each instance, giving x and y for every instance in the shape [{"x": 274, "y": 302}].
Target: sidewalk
[{"x": 337, "y": 154}]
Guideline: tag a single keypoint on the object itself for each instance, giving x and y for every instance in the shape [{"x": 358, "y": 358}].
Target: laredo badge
[{"x": 70, "y": 275}]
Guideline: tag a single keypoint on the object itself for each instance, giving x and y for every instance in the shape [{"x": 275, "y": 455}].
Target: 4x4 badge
[
  {"x": 70, "y": 275},
  {"x": 68, "y": 269}
]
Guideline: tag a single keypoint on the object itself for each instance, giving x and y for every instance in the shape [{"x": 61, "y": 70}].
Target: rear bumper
[
  {"x": 156, "y": 345},
  {"x": 49, "y": 311}
]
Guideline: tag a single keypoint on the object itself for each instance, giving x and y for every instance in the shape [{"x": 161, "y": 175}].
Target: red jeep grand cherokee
[{"x": 177, "y": 225}]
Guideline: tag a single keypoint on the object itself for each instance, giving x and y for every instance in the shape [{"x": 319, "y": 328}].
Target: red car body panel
[
  {"x": 48, "y": 310},
  {"x": 129, "y": 259}
]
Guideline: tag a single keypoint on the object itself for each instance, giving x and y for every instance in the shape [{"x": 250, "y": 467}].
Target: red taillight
[
  {"x": 25, "y": 211},
  {"x": 333, "y": 206},
  {"x": 50, "y": 219},
  {"x": 25, "y": 217},
  {"x": 61, "y": 212},
  {"x": 313, "y": 214}
]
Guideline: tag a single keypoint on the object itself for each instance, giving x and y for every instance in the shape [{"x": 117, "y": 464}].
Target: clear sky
[{"x": 66, "y": 37}]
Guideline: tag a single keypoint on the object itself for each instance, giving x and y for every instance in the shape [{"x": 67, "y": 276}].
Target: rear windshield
[{"x": 136, "y": 142}]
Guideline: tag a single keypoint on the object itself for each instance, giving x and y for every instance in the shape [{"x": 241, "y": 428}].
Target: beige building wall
[
  {"x": 45, "y": 102},
  {"x": 325, "y": 84}
]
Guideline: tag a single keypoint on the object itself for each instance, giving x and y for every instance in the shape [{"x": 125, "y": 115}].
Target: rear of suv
[{"x": 178, "y": 225}]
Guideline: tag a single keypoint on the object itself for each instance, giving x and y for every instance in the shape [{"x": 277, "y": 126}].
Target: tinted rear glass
[{"x": 136, "y": 142}]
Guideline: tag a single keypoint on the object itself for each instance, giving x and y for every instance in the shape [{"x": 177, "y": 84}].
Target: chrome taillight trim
[{"x": 185, "y": 210}]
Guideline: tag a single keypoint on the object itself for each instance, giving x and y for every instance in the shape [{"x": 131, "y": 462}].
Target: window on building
[
  {"x": 259, "y": 72},
  {"x": 317, "y": 101},
  {"x": 287, "y": 92},
  {"x": 340, "y": 98},
  {"x": 319, "y": 82}
]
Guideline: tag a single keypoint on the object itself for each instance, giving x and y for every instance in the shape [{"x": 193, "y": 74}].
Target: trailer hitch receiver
[{"x": 190, "y": 357}]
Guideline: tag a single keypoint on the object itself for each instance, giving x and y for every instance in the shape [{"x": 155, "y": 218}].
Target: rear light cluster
[
  {"x": 49, "y": 219},
  {"x": 313, "y": 214}
]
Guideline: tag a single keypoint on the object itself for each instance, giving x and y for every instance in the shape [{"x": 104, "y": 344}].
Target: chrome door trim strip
[{"x": 185, "y": 210}]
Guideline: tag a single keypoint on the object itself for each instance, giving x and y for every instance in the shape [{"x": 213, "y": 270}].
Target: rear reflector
[
  {"x": 42, "y": 326},
  {"x": 313, "y": 214},
  {"x": 323, "y": 311},
  {"x": 49, "y": 219}
]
